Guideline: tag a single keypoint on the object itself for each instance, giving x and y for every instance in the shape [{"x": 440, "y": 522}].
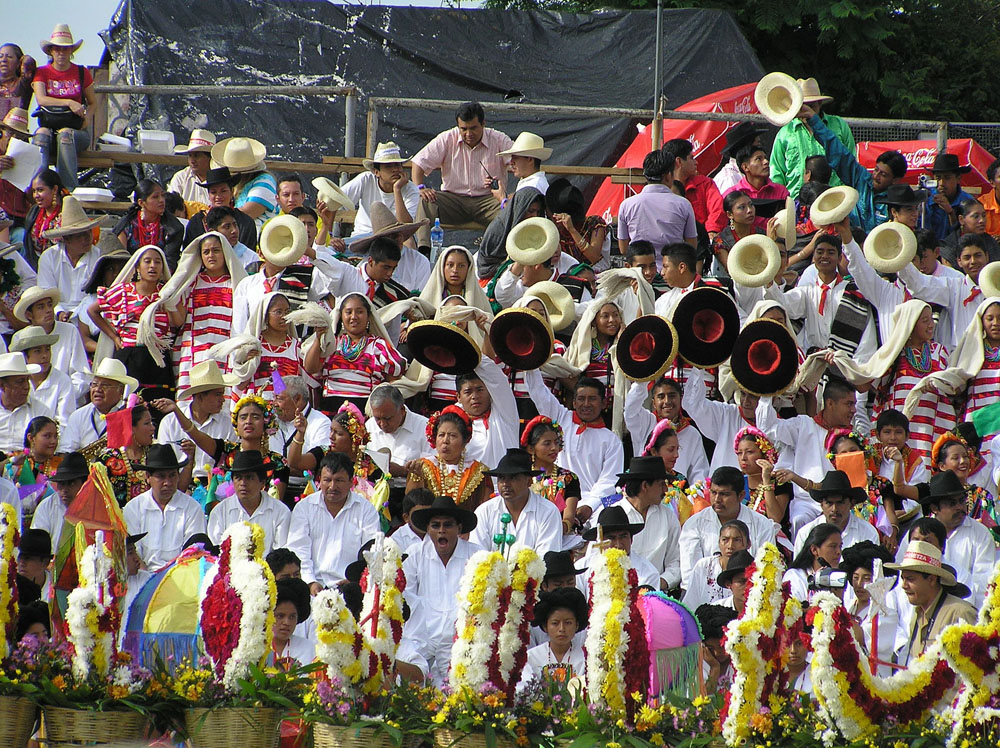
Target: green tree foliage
[{"x": 917, "y": 59}]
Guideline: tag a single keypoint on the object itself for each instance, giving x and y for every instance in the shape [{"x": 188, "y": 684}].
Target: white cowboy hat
[
  {"x": 61, "y": 37},
  {"x": 385, "y": 223},
  {"x": 891, "y": 246},
  {"x": 14, "y": 365},
  {"x": 558, "y": 303},
  {"x": 989, "y": 279},
  {"x": 240, "y": 155},
  {"x": 785, "y": 225},
  {"x": 833, "y": 205},
  {"x": 113, "y": 369},
  {"x": 32, "y": 296},
  {"x": 528, "y": 144},
  {"x": 925, "y": 558},
  {"x": 810, "y": 91},
  {"x": 385, "y": 153},
  {"x": 201, "y": 141},
  {"x": 283, "y": 241},
  {"x": 207, "y": 376},
  {"x": 533, "y": 241},
  {"x": 17, "y": 120},
  {"x": 778, "y": 98},
  {"x": 331, "y": 194},
  {"x": 31, "y": 337},
  {"x": 754, "y": 260},
  {"x": 73, "y": 220}
]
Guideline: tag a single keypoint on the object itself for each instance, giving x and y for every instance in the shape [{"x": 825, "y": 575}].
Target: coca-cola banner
[{"x": 920, "y": 155}]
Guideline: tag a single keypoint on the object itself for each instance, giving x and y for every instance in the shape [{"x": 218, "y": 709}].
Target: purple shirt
[
  {"x": 658, "y": 216},
  {"x": 770, "y": 191}
]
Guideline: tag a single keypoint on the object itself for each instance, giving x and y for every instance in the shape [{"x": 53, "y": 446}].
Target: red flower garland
[
  {"x": 222, "y": 609},
  {"x": 637, "y": 655}
]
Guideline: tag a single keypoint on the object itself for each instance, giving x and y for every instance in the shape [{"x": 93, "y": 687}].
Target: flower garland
[
  {"x": 9, "y": 540},
  {"x": 270, "y": 419},
  {"x": 92, "y": 613},
  {"x": 338, "y": 639},
  {"x": 432, "y": 422},
  {"x": 754, "y": 642},
  {"x": 383, "y": 602},
  {"x": 237, "y": 605},
  {"x": 483, "y": 583},
  {"x": 514, "y": 633},
  {"x": 973, "y": 651},
  {"x": 851, "y": 699},
  {"x": 765, "y": 445}
]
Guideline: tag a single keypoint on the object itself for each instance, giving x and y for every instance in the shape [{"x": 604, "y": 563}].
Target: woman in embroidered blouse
[
  {"x": 45, "y": 214},
  {"x": 562, "y": 615},
  {"x": 757, "y": 457},
  {"x": 199, "y": 300},
  {"x": 741, "y": 213},
  {"x": 126, "y": 481},
  {"x": 148, "y": 222},
  {"x": 117, "y": 311},
  {"x": 38, "y": 459},
  {"x": 254, "y": 422},
  {"x": 359, "y": 357},
  {"x": 590, "y": 347},
  {"x": 543, "y": 440},
  {"x": 446, "y": 473},
  {"x": 349, "y": 436}
]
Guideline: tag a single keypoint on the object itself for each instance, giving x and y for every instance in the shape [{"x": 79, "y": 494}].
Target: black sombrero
[
  {"x": 646, "y": 348},
  {"x": 443, "y": 347},
  {"x": 707, "y": 324},
  {"x": 521, "y": 338},
  {"x": 765, "y": 358}
]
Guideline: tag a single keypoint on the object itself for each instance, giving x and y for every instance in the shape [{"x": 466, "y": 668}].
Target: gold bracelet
[{"x": 298, "y": 441}]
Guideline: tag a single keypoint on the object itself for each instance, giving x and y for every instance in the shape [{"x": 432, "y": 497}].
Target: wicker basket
[
  {"x": 333, "y": 736},
  {"x": 17, "y": 718},
  {"x": 254, "y": 727},
  {"x": 445, "y": 738},
  {"x": 66, "y": 728}
]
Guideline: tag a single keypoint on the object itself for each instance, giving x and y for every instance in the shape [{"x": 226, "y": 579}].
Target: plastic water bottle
[{"x": 437, "y": 240}]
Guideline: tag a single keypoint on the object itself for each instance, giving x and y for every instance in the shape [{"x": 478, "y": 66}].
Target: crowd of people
[{"x": 308, "y": 367}]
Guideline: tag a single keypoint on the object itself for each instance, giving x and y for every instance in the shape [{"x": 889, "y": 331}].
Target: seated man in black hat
[
  {"x": 643, "y": 487},
  {"x": 836, "y": 498},
  {"x": 250, "y": 503},
  {"x": 941, "y": 215},
  {"x": 219, "y": 184},
  {"x": 613, "y": 529},
  {"x": 535, "y": 522},
  {"x": 33, "y": 559},
  {"x": 166, "y": 515},
  {"x": 434, "y": 570},
  {"x": 68, "y": 479}
]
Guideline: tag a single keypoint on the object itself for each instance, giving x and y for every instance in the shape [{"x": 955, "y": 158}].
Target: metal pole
[
  {"x": 657, "y": 134},
  {"x": 349, "y": 104},
  {"x": 228, "y": 90},
  {"x": 942, "y": 137},
  {"x": 502, "y": 106}
]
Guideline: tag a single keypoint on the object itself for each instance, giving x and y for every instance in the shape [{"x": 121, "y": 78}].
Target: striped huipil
[
  {"x": 934, "y": 414},
  {"x": 984, "y": 389},
  {"x": 350, "y": 372},
  {"x": 442, "y": 387},
  {"x": 518, "y": 384},
  {"x": 286, "y": 359},
  {"x": 209, "y": 321},
  {"x": 122, "y": 305}
]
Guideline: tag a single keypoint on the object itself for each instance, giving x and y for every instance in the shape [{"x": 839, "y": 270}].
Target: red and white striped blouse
[
  {"x": 354, "y": 370},
  {"x": 122, "y": 305},
  {"x": 209, "y": 321}
]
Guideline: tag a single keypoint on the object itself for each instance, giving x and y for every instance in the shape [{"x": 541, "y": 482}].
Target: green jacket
[{"x": 794, "y": 144}]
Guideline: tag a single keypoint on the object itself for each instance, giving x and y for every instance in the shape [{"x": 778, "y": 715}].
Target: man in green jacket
[{"x": 795, "y": 143}]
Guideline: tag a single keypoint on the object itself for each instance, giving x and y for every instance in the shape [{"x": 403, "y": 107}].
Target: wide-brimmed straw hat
[
  {"x": 16, "y": 119},
  {"x": 521, "y": 338},
  {"x": 891, "y": 246},
  {"x": 331, "y": 194},
  {"x": 114, "y": 370},
  {"x": 32, "y": 336},
  {"x": 533, "y": 241},
  {"x": 646, "y": 348},
  {"x": 206, "y": 376},
  {"x": 810, "y": 91},
  {"x": 558, "y": 303},
  {"x": 989, "y": 279},
  {"x": 72, "y": 220},
  {"x": 925, "y": 558},
  {"x": 385, "y": 153},
  {"x": 765, "y": 358},
  {"x": 61, "y": 37},
  {"x": 240, "y": 155},
  {"x": 201, "y": 141},
  {"x": 530, "y": 145},
  {"x": 14, "y": 365},
  {"x": 32, "y": 296},
  {"x": 779, "y": 98},
  {"x": 384, "y": 223},
  {"x": 834, "y": 205},
  {"x": 283, "y": 241},
  {"x": 443, "y": 347},
  {"x": 754, "y": 260}
]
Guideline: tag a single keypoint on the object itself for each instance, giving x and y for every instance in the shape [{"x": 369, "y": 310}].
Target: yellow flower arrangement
[{"x": 8, "y": 567}]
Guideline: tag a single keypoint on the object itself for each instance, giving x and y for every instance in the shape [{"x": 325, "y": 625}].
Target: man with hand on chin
[
  {"x": 329, "y": 526},
  {"x": 434, "y": 570}
]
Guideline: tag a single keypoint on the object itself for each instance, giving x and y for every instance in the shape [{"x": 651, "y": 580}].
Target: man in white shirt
[
  {"x": 68, "y": 264},
  {"x": 249, "y": 503},
  {"x": 485, "y": 395},
  {"x": 107, "y": 388},
  {"x": 385, "y": 182},
  {"x": 329, "y": 526},
  {"x": 37, "y": 306},
  {"x": 395, "y": 428},
  {"x": 50, "y": 387},
  {"x": 643, "y": 488},
  {"x": 186, "y": 181},
  {"x": 615, "y": 530},
  {"x": 16, "y": 405},
  {"x": 204, "y": 402},
  {"x": 720, "y": 422},
  {"x": 700, "y": 534},
  {"x": 167, "y": 516},
  {"x": 665, "y": 403},
  {"x": 287, "y": 404},
  {"x": 526, "y": 155},
  {"x": 835, "y": 497},
  {"x": 434, "y": 570},
  {"x": 534, "y": 521},
  {"x": 68, "y": 479}
]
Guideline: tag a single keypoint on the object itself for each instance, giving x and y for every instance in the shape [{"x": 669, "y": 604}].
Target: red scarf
[{"x": 581, "y": 426}]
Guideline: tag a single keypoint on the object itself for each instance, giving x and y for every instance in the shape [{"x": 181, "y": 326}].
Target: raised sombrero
[
  {"x": 765, "y": 358},
  {"x": 443, "y": 347},
  {"x": 707, "y": 324},
  {"x": 521, "y": 338},
  {"x": 646, "y": 348}
]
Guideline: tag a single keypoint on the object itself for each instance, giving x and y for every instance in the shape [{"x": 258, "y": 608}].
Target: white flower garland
[
  {"x": 92, "y": 648},
  {"x": 336, "y": 637},
  {"x": 607, "y": 641},
  {"x": 528, "y": 567},
  {"x": 384, "y": 644},
  {"x": 485, "y": 576}
]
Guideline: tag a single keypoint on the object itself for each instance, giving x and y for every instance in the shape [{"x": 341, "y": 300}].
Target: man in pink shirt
[
  {"x": 756, "y": 182},
  {"x": 469, "y": 160}
]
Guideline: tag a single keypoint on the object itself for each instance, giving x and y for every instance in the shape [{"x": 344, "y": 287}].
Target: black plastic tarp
[{"x": 597, "y": 60}]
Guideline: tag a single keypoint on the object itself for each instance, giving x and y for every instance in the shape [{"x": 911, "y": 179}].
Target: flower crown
[
  {"x": 432, "y": 421},
  {"x": 252, "y": 398},
  {"x": 871, "y": 454},
  {"x": 539, "y": 421},
  {"x": 765, "y": 445},
  {"x": 662, "y": 425},
  {"x": 355, "y": 424},
  {"x": 949, "y": 437}
]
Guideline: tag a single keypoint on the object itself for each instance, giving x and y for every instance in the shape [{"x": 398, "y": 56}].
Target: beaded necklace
[
  {"x": 598, "y": 353},
  {"x": 991, "y": 353},
  {"x": 923, "y": 364},
  {"x": 349, "y": 350},
  {"x": 43, "y": 222},
  {"x": 146, "y": 233},
  {"x": 451, "y": 480},
  {"x": 551, "y": 485}
]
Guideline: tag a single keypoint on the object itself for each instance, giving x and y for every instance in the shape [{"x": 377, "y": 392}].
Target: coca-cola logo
[
  {"x": 919, "y": 158},
  {"x": 696, "y": 143},
  {"x": 744, "y": 106}
]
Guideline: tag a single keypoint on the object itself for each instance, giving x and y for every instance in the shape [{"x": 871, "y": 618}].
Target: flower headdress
[
  {"x": 539, "y": 421},
  {"x": 765, "y": 445},
  {"x": 432, "y": 421},
  {"x": 355, "y": 424},
  {"x": 252, "y": 398},
  {"x": 871, "y": 454},
  {"x": 662, "y": 425},
  {"x": 949, "y": 437}
]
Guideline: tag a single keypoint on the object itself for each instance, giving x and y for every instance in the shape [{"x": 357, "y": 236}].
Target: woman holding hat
[
  {"x": 255, "y": 191},
  {"x": 117, "y": 312},
  {"x": 454, "y": 274},
  {"x": 44, "y": 215},
  {"x": 447, "y": 473},
  {"x": 821, "y": 550},
  {"x": 742, "y": 213},
  {"x": 149, "y": 223},
  {"x": 199, "y": 299},
  {"x": 61, "y": 85},
  {"x": 355, "y": 356},
  {"x": 349, "y": 436},
  {"x": 562, "y": 614},
  {"x": 542, "y": 439},
  {"x": 127, "y": 481},
  {"x": 109, "y": 264}
]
